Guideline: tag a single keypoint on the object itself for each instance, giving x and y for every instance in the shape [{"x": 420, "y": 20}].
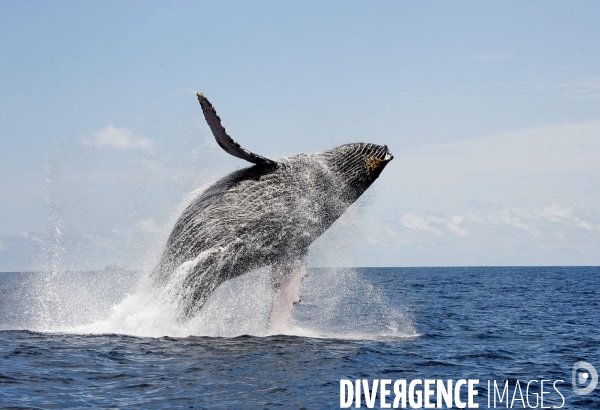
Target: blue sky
[{"x": 491, "y": 109}]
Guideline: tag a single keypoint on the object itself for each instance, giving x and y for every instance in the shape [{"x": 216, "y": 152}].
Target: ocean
[{"x": 97, "y": 339}]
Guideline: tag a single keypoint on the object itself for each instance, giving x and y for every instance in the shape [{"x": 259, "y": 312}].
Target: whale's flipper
[
  {"x": 285, "y": 281},
  {"x": 224, "y": 140}
]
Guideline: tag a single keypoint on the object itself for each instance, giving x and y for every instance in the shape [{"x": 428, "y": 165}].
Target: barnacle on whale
[{"x": 373, "y": 163}]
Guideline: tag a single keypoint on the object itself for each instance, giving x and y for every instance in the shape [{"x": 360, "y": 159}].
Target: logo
[{"x": 584, "y": 373}]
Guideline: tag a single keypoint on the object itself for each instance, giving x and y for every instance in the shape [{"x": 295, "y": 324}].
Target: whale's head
[{"x": 358, "y": 165}]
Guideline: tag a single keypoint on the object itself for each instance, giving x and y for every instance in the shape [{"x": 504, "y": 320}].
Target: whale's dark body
[{"x": 264, "y": 215}]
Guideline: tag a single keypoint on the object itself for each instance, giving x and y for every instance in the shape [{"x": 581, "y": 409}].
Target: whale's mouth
[
  {"x": 379, "y": 160},
  {"x": 387, "y": 155},
  {"x": 384, "y": 154}
]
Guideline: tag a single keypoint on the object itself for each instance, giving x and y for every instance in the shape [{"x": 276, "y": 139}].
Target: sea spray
[
  {"x": 336, "y": 303},
  {"x": 125, "y": 301},
  {"x": 343, "y": 303}
]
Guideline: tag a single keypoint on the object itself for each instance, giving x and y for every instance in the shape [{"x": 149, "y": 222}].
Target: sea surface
[{"x": 100, "y": 340}]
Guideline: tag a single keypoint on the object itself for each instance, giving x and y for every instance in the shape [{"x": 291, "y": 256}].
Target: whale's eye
[{"x": 373, "y": 163}]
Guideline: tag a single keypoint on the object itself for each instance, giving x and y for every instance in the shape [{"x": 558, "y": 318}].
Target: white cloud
[
  {"x": 512, "y": 217},
  {"x": 587, "y": 89},
  {"x": 119, "y": 138},
  {"x": 583, "y": 90},
  {"x": 552, "y": 220},
  {"x": 148, "y": 226},
  {"x": 415, "y": 222},
  {"x": 2, "y": 247},
  {"x": 480, "y": 233},
  {"x": 556, "y": 213},
  {"x": 453, "y": 225}
]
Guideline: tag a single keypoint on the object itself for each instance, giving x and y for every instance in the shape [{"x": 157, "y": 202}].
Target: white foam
[{"x": 336, "y": 303}]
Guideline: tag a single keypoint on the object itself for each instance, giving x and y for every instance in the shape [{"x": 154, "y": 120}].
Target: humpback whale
[{"x": 265, "y": 215}]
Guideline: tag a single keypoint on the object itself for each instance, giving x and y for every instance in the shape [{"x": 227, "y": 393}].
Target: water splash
[
  {"x": 337, "y": 303},
  {"x": 343, "y": 303}
]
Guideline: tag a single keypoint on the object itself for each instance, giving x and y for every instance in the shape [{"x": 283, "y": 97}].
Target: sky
[{"x": 491, "y": 109}]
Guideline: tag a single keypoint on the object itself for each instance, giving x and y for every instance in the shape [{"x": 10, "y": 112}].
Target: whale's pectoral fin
[
  {"x": 224, "y": 140},
  {"x": 285, "y": 282}
]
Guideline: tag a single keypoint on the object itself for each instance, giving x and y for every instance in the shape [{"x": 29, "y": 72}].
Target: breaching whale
[{"x": 264, "y": 215}]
